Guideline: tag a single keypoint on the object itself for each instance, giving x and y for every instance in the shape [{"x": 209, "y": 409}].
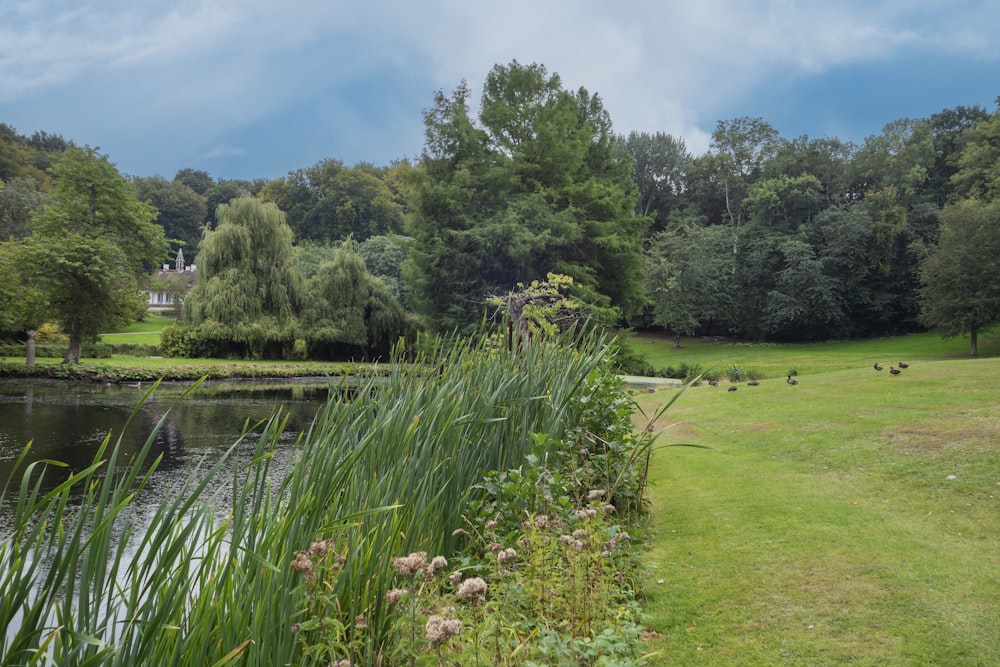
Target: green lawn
[
  {"x": 773, "y": 360},
  {"x": 851, "y": 519},
  {"x": 139, "y": 333}
]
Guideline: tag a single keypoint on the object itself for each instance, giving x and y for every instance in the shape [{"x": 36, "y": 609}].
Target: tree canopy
[
  {"x": 92, "y": 248},
  {"x": 248, "y": 296},
  {"x": 535, "y": 184}
]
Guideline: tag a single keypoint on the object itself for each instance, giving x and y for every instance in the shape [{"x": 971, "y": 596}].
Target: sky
[{"x": 259, "y": 88}]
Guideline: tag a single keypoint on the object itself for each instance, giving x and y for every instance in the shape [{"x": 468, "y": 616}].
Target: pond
[{"x": 67, "y": 422}]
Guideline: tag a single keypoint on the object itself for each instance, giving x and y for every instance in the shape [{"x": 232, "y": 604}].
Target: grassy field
[
  {"x": 139, "y": 333},
  {"x": 770, "y": 360},
  {"x": 851, "y": 519}
]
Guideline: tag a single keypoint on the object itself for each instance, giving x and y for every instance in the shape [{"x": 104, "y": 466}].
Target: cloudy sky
[{"x": 258, "y": 88}]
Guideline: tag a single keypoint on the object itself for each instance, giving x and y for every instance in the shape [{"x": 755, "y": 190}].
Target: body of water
[{"x": 67, "y": 422}]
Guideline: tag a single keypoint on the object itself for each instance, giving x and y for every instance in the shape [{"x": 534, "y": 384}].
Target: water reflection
[{"x": 68, "y": 421}]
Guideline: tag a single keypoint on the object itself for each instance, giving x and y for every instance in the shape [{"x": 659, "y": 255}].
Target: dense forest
[{"x": 762, "y": 237}]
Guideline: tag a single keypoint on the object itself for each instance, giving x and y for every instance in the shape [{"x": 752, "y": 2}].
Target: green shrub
[{"x": 135, "y": 349}]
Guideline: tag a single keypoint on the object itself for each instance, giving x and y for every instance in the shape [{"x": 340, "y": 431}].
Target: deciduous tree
[
  {"x": 249, "y": 296},
  {"x": 960, "y": 278},
  {"x": 536, "y": 184},
  {"x": 92, "y": 248}
]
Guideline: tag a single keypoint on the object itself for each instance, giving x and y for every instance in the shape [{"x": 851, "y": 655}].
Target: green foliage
[
  {"x": 387, "y": 468},
  {"x": 180, "y": 210},
  {"x": 248, "y": 296},
  {"x": 91, "y": 350},
  {"x": 331, "y": 202},
  {"x": 535, "y": 185},
  {"x": 351, "y": 313},
  {"x": 91, "y": 247},
  {"x": 960, "y": 278}
]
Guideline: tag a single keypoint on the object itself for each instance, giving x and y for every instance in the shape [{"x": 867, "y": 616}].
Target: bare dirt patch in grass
[{"x": 968, "y": 434}]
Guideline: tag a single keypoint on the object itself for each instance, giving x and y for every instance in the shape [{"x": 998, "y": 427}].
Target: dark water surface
[{"x": 68, "y": 421}]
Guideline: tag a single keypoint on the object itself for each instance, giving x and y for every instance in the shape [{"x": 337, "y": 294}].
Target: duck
[
  {"x": 877, "y": 367},
  {"x": 791, "y": 381},
  {"x": 713, "y": 383},
  {"x": 753, "y": 383},
  {"x": 894, "y": 371},
  {"x": 733, "y": 388},
  {"x": 903, "y": 365}
]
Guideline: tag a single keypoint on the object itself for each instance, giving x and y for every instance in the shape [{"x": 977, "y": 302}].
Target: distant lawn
[
  {"x": 140, "y": 333},
  {"x": 852, "y": 519},
  {"x": 772, "y": 360}
]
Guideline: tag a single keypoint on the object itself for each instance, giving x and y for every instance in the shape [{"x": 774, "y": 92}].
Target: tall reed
[{"x": 385, "y": 469}]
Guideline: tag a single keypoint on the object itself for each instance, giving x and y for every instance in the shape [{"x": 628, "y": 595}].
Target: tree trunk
[
  {"x": 973, "y": 341},
  {"x": 73, "y": 352},
  {"x": 29, "y": 354}
]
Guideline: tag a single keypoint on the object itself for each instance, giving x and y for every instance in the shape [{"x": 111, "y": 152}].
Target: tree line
[{"x": 761, "y": 237}]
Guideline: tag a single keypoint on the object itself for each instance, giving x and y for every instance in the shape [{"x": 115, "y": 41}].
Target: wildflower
[
  {"x": 490, "y": 524},
  {"x": 302, "y": 564},
  {"x": 361, "y": 622},
  {"x": 440, "y": 629},
  {"x": 472, "y": 589},
  {"x": 394, "y": 595},
  {"x": 320, "y": 547},
  {"x": 609, "y": 509},
  {"x": 438, "y": 564},
  {"x": 541, "y": 521},
  {"x": 455, "y": 579},
  {"x": 566, "y": 539},
  {"x": 495, "y": 547},
  {"x": 506, "y": 555},
  {"x": 596, "y": 494},
  {"x": 415, "y": 562},
  {"x": 295, "y": 628}
]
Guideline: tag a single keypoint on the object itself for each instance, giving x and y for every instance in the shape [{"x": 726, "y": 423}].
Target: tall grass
[{"x": 383, "y": 470}]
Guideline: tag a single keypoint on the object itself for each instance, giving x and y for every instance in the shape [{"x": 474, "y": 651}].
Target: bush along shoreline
[
  {"x": 120, "y": 372},
  {"x": 479, "y": 514}
]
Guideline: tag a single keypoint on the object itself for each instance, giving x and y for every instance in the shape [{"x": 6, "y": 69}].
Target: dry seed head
[
  {"x": 438, "y": 563},
  {"x": 302, "y": 564},
  {"x": 506, "y": 555},
  {"x": 407, "y": 565},
  {"x": 440, "y": 629},
  {"x": 472, "y": 589},
  {"x": 395, "y": 595}
]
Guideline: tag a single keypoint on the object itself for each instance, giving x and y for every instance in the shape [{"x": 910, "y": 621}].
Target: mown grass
[
  {"x": 146, "y": 332},
  {"x": 850, "y": 519},
  {"x": 772, "y": 360}
]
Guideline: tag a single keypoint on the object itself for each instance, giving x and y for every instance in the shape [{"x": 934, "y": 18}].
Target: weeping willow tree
[
  {"x": 350, "y": 312},
  {"x": 249, "y": 295}
]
